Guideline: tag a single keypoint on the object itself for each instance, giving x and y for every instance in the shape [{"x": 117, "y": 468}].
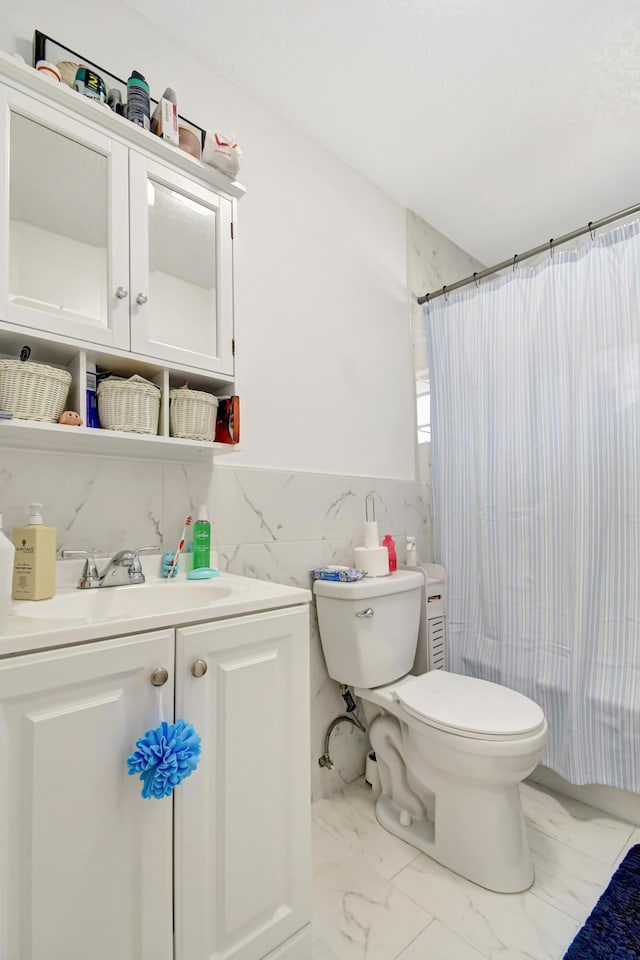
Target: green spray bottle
[{"x": 202, "y": 540}]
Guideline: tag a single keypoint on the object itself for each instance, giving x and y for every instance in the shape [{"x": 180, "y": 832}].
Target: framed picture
[{"x": 68, "y": 61}]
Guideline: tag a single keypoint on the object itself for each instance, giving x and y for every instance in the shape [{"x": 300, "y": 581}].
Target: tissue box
[
  {"x": 228, "y": 420},
  {"x": 169, "y": 121}
]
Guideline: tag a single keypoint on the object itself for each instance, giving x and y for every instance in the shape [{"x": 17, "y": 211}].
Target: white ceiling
[{"x": 502, "y": 123}]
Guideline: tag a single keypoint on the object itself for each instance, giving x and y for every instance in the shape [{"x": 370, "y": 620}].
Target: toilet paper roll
[
  {"x": 371, "y": 536},
  {"x": 374, "y": 560}
]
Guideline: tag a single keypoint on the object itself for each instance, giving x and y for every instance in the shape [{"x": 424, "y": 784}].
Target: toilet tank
[{"x": 369, "y": 629}]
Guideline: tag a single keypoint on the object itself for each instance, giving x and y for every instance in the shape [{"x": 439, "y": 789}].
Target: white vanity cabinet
[
  {"x": 90, "y": 869},
  {"x": 85, "y": 863},
  {"x": 105, "y": 239},
  {"x": 242, "y": 875}
]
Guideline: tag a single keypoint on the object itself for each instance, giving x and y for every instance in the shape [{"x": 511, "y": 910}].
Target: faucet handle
[
  {"x": 136, "y": 553},
  {"x": 90, "y": 576},
  {"x": 136, "y": 566}
]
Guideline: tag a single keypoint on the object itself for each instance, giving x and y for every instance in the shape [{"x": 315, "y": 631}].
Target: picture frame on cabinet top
[{"x": 46, "y": 48}]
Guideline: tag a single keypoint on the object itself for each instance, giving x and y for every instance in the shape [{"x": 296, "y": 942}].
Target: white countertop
[{"x": 195, "y": 601}]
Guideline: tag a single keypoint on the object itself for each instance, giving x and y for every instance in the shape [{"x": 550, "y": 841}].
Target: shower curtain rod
[{"x": 518, "y": 258}]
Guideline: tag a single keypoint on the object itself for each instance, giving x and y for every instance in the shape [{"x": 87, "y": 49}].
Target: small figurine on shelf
[{"x": 70, "y": 418}]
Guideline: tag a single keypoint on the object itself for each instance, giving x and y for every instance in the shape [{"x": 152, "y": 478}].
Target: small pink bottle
[{"x": 391, "y": 547}]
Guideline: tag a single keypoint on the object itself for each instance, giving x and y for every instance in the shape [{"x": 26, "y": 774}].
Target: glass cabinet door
[
  {"x": 181, "y": 262},
  {"x": 65, "y": 226}
]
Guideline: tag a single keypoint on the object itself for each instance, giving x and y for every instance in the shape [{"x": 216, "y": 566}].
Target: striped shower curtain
[{"x": 535, "y": 383}]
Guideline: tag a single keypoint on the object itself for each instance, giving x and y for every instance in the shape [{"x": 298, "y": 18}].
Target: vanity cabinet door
[
  {"x": 64, "y": 227},
  {"x": 242, "y": 825},
  {"x": 85, "y": 862},
  {"x": 181, "y": 269}
]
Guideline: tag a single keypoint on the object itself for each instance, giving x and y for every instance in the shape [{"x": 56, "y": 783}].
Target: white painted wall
[{"x": 323, "y": 336}]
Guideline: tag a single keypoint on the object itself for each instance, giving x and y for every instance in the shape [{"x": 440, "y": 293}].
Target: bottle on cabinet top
[
  {"x": 138, "y": 103},
  {"x": 34, "y": 570}
]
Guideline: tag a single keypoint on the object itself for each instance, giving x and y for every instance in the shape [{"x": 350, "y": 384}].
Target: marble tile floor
[{"x": 377, "y": 898}]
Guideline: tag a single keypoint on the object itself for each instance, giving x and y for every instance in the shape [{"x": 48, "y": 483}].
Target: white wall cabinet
[
  {"x": 90, "y": 869},
  {"x": 181, "y": 268},
  {"x": 104, "y": 243},
  {"x": 64, "y": 231}
]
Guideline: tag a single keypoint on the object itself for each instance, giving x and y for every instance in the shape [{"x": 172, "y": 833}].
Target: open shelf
[{"x": 54, "y": 437}]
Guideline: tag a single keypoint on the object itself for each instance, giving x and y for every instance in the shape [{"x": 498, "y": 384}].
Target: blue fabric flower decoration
[{"x": 165, "y": 757}]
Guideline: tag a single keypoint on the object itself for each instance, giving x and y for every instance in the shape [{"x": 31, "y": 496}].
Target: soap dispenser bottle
[
  {"x": 391, "y": 547},
  {"x": 7, "y": 554},
  {"x": 202, "y": 540},
  {"x": 34, "y": 570}
]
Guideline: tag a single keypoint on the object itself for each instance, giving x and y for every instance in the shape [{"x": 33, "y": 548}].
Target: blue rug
[{"x": 612, "y": 931}]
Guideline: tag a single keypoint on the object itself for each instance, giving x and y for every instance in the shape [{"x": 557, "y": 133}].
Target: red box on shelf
[{"x": 228, "y": 420}]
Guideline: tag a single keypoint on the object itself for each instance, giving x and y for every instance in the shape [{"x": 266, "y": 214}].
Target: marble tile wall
[
  {"x": 432, "y": 261},
  {"x": 270, "y": 524}
]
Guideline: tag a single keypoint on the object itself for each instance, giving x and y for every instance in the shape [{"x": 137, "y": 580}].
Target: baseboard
[
  {"x": 297, "y": 947},
  {"x": 619, "y": 803}
]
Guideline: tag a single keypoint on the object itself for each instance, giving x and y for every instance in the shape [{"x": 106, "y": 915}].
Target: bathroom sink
[{"x": 116, "y": 603}]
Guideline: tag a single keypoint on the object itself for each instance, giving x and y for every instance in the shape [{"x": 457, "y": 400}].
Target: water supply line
[{"x": 325, "y": 760}]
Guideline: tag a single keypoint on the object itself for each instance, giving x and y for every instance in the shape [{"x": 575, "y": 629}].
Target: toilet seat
[{"x": 469, "y": 707}]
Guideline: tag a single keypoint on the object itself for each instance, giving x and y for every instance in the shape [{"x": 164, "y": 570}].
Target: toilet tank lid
[
  {"x": 396, "y": 582},
  {"x": 470, "y": 705}
]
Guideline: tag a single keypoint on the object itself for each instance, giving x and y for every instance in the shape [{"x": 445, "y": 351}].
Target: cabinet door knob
[
  {"x": 142, "y": 299},
  {"x": 199, "y": 668},
  {"x": 122, "y": 293},
  {"x": 159, "y": 677}
]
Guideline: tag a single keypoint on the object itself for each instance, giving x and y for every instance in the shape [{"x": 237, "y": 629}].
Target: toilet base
[
  {"x": 421, "y": 834},
  {"x": 461, "y": 809}
]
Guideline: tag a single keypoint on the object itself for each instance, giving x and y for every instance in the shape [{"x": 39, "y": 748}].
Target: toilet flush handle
[{"x": 365, "y": 613}]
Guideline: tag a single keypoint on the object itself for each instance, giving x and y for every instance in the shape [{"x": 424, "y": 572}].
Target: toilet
[{"x": 451, "y": 749}]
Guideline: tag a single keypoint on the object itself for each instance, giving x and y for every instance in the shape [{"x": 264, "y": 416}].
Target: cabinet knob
[
  {"x": 199, "y": 668},
  {"x": 159, "y": 677},
  {"x": 142, "y": 299},
  {"x": 122, "y": 293}
]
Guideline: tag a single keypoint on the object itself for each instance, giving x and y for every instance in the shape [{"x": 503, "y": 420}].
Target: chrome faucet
[{"x": 124, "y": 568}]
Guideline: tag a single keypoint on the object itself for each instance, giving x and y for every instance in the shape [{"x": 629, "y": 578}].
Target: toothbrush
[{"x": 174, "y": 562}]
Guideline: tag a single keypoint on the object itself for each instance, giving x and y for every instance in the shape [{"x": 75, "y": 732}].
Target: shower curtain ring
[
  {"x": 551, "y": 248},
  {"x": 592, "y": 232},
  {"x": 475, "y": 279},
  {"x": 515, "y": 262},
  {"x": 445, "y": 294}
]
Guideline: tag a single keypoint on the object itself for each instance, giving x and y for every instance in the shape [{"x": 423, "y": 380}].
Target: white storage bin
[
  {"x": 33, "y": 391},
  {"x": 128, "y": 405},
  {"x": 192, "y": 414}
]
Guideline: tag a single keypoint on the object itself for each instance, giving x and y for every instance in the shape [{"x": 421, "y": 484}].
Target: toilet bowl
[{"x": 451, "y": 749}]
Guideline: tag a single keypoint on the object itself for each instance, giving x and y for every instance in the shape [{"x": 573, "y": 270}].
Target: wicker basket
[
  {"x": 33, "y": 391},
  {"x": 128, "y": 405},
  {"x": 192, "y": 414}
]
